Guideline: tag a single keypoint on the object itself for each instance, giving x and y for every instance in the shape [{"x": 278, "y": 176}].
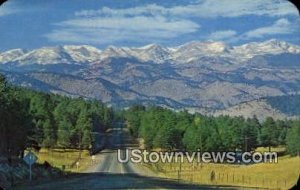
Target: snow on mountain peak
[
  {"x": 152, "y": 52},
  {"x": 45, "y": 55},
  {"x": 112, "y": 51},
  {"x": 83, "y": 53},
  {"x": 207, "y": 47},
  {"x": 11, "y": 54},
  {"x": 149, "y": 46},
  {"x": 78, "y": 54},
  {"x": 272, "y": 46},
  {"x": 196, "y": 49}
]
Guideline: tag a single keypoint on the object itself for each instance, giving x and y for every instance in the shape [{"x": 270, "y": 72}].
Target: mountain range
[{"x": 206, "y": 77}]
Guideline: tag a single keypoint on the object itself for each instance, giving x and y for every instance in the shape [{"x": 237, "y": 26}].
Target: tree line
[
  {"x": 29, "y": 118},
  {"x": 170, "y": 130}
]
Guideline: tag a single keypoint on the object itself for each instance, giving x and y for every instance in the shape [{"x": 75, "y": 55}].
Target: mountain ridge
[
  {"x": 196, "y": 75},
  {"x": 78, "y": 53}
]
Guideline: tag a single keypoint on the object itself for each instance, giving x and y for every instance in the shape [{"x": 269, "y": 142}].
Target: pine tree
[
  {"x": 84, "y": 127},
  {"x": 3, "y": 110},
  {"x": 267, "y": 136},
  {"x": 49, "y": 140},
  {"x": 14, "y": 121},
  {"x": 86, "y": 139},
  {"x": 191, "y": 139},
  {"x": 293, "y": 139},
  {"x": 64, "y": 133}
]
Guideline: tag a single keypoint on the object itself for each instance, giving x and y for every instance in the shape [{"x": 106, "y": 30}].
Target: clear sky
[{"x": 32, "y": 24}]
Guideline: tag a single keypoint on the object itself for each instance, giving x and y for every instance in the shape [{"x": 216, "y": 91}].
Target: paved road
[
  {"x": 108, "y": 173},
  {"x": 118, "y": 138}
]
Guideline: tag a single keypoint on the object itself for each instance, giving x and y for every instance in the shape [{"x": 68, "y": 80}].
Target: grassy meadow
[
  {"x": 65, "y": 157},
  {"x": 281, "y": 175}
]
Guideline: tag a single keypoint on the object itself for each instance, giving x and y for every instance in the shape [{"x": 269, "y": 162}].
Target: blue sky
[{"x": 34, "y": 23}]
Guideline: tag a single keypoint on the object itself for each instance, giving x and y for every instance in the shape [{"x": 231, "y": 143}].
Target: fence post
[
  {"x": 193, "y": 178},
  {"x": 285, "y": 183}
]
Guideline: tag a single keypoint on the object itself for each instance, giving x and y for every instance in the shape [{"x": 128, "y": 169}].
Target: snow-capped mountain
[
  {"x": 115, "y": 52},
  {"x": 194, "y": 50},
  {"x": 155, "y": 53},
  {"x": 194, "y": 76},
  {"x": 268, "y": 47},
  {"x": 11, "y": 55},
  {"x": 52, "y": 55},
  {"x": 44, "y": 56},
  {"x": 152, "y": 52},
  {"x": 84, "y": 53}
]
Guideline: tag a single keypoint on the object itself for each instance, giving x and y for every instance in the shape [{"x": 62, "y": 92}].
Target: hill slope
[{"x": 195, "y": 75}]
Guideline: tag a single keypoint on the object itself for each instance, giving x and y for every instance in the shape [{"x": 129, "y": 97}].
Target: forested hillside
[
  {"x": 163, "y": 128},
  {"x": 286, "y": 104},
  {"x": 195, "y": 75},
  {"x": 29, "y": 118}
]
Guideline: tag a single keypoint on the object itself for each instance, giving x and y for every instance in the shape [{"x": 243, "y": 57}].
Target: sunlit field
[
  {"x": 281, "y": 175},
  {"x": 65, "y": 159}
]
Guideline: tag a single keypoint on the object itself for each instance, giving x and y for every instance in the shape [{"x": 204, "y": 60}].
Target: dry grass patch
[
  {"x": 65, "y": 157},
  {"x": 281, "y": 175}
]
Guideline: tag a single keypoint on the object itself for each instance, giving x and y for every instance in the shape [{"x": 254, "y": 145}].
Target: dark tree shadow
[{"x": 115, "y": 181}]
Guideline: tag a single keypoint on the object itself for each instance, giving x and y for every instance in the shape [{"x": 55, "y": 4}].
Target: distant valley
[{"x": 207, "y": 77}]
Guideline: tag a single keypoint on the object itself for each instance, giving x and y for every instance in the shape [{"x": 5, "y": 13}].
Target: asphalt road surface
[{"x": 108, "y": 173}]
